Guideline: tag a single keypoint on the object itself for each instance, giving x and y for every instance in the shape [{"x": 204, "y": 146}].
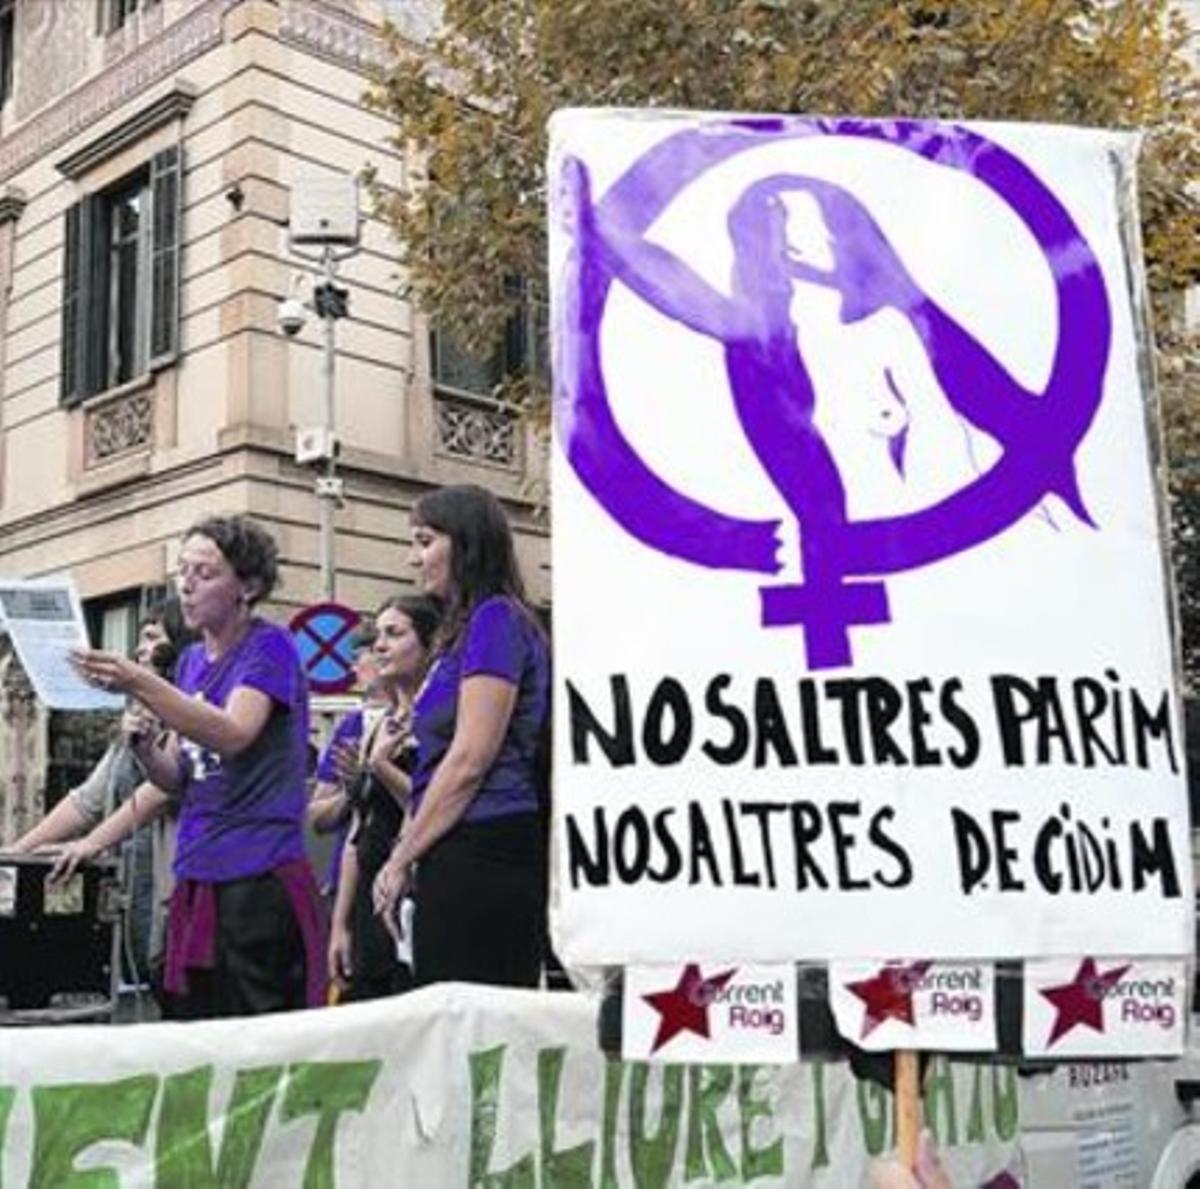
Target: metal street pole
[
  {"x": 328, "y": 486},
  {"x": 324, "y": 215}
]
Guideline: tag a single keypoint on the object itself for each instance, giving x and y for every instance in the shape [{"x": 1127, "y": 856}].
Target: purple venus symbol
[{"x": 770, "y": 383}]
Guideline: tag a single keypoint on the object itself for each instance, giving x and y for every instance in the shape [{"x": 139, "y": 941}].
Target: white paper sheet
[{"x": 45, "y": 621}]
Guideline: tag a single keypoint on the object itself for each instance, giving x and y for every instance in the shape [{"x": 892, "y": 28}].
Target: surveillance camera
[{"x": 291, "y": 316}]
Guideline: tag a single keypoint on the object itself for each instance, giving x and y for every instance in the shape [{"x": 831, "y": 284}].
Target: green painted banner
[{"x": 474, "y": 1087}]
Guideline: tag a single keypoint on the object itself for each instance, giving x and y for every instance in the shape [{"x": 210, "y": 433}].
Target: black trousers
[
  {"x": 377, "y": 973},
  {"x": 259, "y": 961},
  {"x": 481, "y": 905}
]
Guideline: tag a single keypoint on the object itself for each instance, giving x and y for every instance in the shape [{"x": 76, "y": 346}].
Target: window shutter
[
  {"x": 515, "y": 350},
  {"x": 166, "y": 192},
  {"x": 84, "y": 279},
  {"x": 69, "y": 345}
]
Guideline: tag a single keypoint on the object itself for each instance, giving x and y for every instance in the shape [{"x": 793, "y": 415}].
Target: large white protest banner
[
  {"x": 453, "y": 1086},
  {"x": 861, "y": 635}
]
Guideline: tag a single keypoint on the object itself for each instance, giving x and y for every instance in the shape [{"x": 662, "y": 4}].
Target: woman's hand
[
  {"x": 106, "y": 670},
  {"x": 930, "y": 1173},
  {"x": 328, "y": 808},
  {"x": 383, "y": 762},
  {"x": 384, "y": 745},
  {"x": 390, "y": 884},
  {"x": 68, "y": 858},
  {"x": 346, "y": 764},
  {"x": 139, "y": 727},
  {"x": 340, "y": 955}
]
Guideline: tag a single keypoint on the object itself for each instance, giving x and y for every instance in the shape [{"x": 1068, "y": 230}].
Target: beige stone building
[{"x": 148, "y": 151}]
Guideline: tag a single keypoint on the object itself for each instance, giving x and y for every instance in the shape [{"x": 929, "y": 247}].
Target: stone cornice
[
  {"x": 332, "y": 33},
  {"x": 349, "y": 39},
  {"x": 178, "y": 44},
  {"x": 175, "y": 104}
]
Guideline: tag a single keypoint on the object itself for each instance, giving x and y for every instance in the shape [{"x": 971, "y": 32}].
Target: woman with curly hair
[{"x": 243, "y": 933}]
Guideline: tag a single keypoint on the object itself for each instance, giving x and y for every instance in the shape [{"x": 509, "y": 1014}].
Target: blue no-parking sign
[{"x": 324, "y": 635}]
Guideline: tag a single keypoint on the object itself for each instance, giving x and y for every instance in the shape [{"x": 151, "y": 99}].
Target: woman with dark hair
[
  {"x": 244, "y": 933},
  {"x": 474, "y": 834},
  {"x": 362, "y": 955}
]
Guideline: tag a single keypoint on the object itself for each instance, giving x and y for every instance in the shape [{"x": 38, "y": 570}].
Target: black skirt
[
  {"x": 259, "y": 957},
  {"x": 377, "y": 972},
  {"x": 481, "y": 904}
]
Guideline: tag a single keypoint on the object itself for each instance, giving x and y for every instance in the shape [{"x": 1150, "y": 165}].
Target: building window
[
  {"x": 522, "y": 349},
  {"x": 7, "y": 46},
  {"x": 112, "y": 621},
  {"x": 127, "y": 231},
  {"x": 114, "y": 14},
  {"x": 457, "y": 370},
  {"x": 119, "y": 11},
  {"x": 471, "y": 420},
  {"x": 118, "y": 628},
  {"x": 120, "y": 314},
  {"x": 470, "y": 423}
]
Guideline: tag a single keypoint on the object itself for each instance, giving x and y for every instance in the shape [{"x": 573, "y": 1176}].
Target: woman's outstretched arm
[{"x": 651, "y": 271}]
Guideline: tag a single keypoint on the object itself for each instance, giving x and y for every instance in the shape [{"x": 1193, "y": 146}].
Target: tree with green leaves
[{"x": 472, "y": 106}]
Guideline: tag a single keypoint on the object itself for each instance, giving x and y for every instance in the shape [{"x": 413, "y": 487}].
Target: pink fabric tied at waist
[
  {"x": 192, "y": 929},
  {"x": 297, "y": 878},
  {"x": 191, "y": 932}
]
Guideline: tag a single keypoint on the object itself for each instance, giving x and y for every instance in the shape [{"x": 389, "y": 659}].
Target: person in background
[
  {"x": 147, "y": 855},
  {"x": 329, "y": 805},
  {"x": 244, "y": 930},
  {"x": 362, "y": 953},
  {"x": 474, "y": 836}
]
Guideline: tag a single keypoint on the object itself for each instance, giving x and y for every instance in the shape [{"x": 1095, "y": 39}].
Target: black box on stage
[{"x": 56, "y": 940}]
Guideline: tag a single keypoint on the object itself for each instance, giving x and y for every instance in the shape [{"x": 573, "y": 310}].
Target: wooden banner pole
[{"x": 908, "y": 1106}]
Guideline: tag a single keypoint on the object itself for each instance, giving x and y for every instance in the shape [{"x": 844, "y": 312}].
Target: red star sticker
[
  {"x": 1082, "y": 1001},
  {"x": 685, "y": 1008},
  {"x": 888, "y": 994}
]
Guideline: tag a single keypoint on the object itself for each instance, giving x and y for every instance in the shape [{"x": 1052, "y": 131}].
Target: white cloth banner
[
  {"x": 453, "y": 1086},
  {"x": 938, "y": 1006},
  {"x": 1112, "y": 1008},
  {"x": 861, "y": 642}
]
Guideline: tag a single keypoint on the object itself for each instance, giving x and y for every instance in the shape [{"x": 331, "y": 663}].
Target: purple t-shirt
[
  {"x": 500, "y": 640},
  {"x": 243, "y": 815},
  {"x": 347, "y": 732}
]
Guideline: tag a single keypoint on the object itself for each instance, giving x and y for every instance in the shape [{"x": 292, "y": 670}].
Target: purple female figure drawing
[{"x": 768, "y": 362}]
